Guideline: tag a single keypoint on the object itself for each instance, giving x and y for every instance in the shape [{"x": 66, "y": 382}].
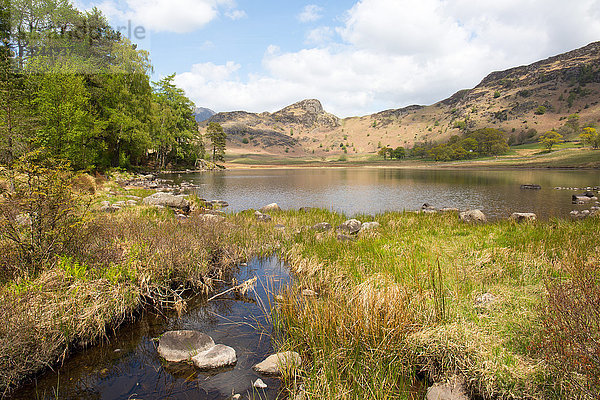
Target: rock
[
  {"x": 131, "y": 203},
  {"x": 275, "y": 363},
  {"x": 309, "y": 293},
  {"x": 520, "y": 217},
  {"x": 581, "y": 199},
  {"x": 350, "y": 227},
  {"x": 589, "y": 194},
  {"x": 280, "y": 227},
  {"x": 427, "y": 211},
  {"x": 447, "y": 391},
  {"x": 367, "y": 226},
  {"x": 132, "y": 197},
  {"x": 472, "y": 216},
  {"x": 236, "y": 396},
  {"x": 217, "y": 356},
  {"x": 305, "y": 209},
  {"x": 168, "y": 200},
  {"x": 109, "y": 208},
  {"x": 150, "y": 177},
  {"x": 262, "y": 217},
  {"x": 534, "y": 187},
  {"x": 259, "y": 384},
  {"x": 211, "y": 218},
  {"x": 182, "y": 345},
  {"x": 485, "y": 300},
  {"x": 321, "y": 227},
  {"x": 218, "y": 203},
  {"x": 270, "y": 207},
  {"x": 427, "y": 206},
  {"x": 344, "y": 238},
  {"x": 121, "y": 203}
]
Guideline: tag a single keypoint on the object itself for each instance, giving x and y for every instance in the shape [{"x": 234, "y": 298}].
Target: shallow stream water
[{"x": 127, "y": 366}]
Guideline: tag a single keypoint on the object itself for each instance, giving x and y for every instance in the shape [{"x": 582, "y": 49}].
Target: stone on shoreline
[
  {"x": 259, "y": 384},
  {"x": 182, "y": 345},
  {"x": 521, "y": 217},
  {"x": 168, "y": 200},
  {"x": 472, "y": 216},
  {"x": 367, "y": 226},
  {"x": 262, "y": 217},
  {"x": 350, "y": 227},
  {"x": 276, "y": 363},
  {"x": 217, "y": 356},
  {"x": 321, "y": 227},
  {"x": 270, "y": 207}
]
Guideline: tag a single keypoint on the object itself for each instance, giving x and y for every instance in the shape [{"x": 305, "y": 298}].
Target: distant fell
[
  {"x": 202, "y": 114},
  {"x": 523, "y": 102}
]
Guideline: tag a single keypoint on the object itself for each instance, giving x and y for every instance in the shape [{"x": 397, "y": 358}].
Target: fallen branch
[{"x": 242, "y": 288}]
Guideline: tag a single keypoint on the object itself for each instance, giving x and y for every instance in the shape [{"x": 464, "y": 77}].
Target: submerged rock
[
  {"x": 521, "y": 217},
  {"x": 276, "y": 363},
  {"x": 534, "y": 187},
  {"x": 270, "y": 207},
  {"x": 350, "y": 227},
  {"x": 472, "y": 216},
  {"x": 217, "y": 356},
  {"x": 182, "y": 345}
]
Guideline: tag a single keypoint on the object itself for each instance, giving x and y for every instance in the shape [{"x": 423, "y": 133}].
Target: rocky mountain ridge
[{"x": 522, "y": 101}]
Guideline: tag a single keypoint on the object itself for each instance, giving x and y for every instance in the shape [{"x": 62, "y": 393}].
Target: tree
[
  {"x": 399, "y": 152},
  {"x": 591, "y": 137},
  {"x": 550, "y": 138},
  {"x": 218, "y": 140}
]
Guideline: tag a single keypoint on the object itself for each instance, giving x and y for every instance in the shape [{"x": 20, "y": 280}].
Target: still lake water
[{"x": 374, "y": 190}]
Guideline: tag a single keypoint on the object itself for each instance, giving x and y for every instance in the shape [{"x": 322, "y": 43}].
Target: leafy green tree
[
  {"x": 490, "y": 141},
  {"x": 591, "y": 137},
  {"x": 218, "y": 140},
  {"x": 399, "y": 152},
  {"x": 550, "y": 138},
  {"x": 175, "y": 131}
]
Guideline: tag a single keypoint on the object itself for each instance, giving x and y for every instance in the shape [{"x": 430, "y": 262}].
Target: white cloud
[
  {"x": 392, "y": 53},
  {"x": 310, "y": 13},
  {"x": 179, "y": 16},
  {"x": 236, "y": 14}
]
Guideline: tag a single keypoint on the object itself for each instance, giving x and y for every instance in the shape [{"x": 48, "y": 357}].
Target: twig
[{"x": 242, "y": 288}]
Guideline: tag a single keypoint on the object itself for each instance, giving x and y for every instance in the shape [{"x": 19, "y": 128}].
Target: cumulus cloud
[
  {"x": 392, "y": 53},
  {"x": 179, "y": 16},
  {"x": 310, "y": 13}
]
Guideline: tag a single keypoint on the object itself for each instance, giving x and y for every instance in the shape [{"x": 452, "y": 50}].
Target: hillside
[
  {"x": 202, "y": 114},
  {"x": 522, "y": 101}
]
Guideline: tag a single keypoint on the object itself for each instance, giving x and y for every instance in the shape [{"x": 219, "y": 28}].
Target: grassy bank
[
  {"x": 406, "y": 300},
  {"x": 520, "y": 157},
  {"x": 397, "y": 302}
]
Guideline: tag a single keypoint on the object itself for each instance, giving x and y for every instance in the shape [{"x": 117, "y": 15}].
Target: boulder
[
  {"x": 589, "y": 194},
  {"x": 182, "y": 345},
  {"x": 367, "y": 226},
  {"x": 270, "y": 207},
  {"x": 581, "y": 199},
  {"x": 427, "y": 206},
  {"x": 472, "y": 216},
  {"x": 321, "y": 227},
  {"x": 523, "y": 217},
  {"x": 534, "y": 187},
  {"x": 447, "y": 391},
  {"x": 276, "y": 363},
  {"x": 168, "y": 200},
  {"x": 344, "y": 238},
  {"x": 217, "y": 356},
  {"x": 350, "y": 227}
]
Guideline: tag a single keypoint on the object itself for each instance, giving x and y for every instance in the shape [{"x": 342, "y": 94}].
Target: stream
[{"x": 127, "y": 365}]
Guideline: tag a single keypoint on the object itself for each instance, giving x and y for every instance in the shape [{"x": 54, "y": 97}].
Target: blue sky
[{"x": 357, "y": 57}]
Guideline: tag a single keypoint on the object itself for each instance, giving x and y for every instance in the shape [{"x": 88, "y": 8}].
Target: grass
[
  {"x": 396, "y": 303},
  {"x": 402, "y": 301}
]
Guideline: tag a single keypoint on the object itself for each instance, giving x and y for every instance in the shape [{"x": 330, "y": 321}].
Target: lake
[{"x": 374, "y": 190}]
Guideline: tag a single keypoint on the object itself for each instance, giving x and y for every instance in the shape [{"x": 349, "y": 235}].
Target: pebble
[{"x": 259, "y": 384}]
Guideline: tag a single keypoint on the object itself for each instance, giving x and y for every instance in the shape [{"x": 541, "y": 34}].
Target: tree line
[
  {"x": 480, "y": 143},
  {"x": 74, "y": 88}
]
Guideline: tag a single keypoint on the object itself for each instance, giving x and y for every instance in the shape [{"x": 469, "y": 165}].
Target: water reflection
[
  {"x": 129, "y": 367},
  {"x": 374, "y": 190}
]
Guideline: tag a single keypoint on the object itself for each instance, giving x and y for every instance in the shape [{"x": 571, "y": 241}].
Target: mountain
[
  {"x": 523, "y": 102},
  {"x": 202, "y": 114}
]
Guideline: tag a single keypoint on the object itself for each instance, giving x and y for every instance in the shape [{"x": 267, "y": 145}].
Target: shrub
[{"x": 541, "y": 110}]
